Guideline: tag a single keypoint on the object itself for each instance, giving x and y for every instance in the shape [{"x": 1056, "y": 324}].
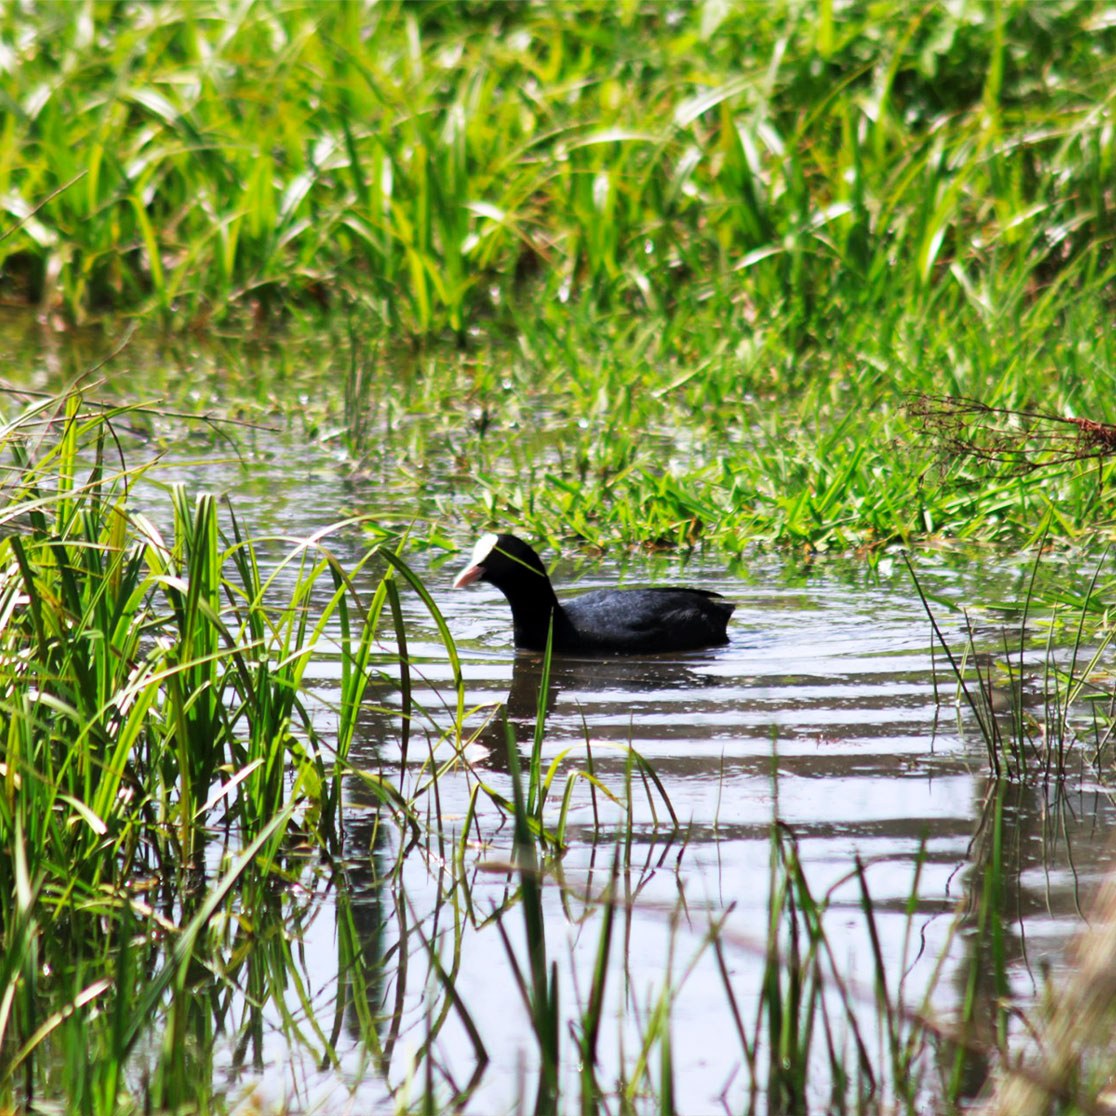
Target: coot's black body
[{"x": 604, "y": 621}]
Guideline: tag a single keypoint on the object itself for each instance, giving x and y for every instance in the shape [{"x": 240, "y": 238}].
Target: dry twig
[{"x": 1017, "y": 442}]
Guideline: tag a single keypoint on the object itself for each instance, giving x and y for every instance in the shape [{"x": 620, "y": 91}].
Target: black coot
[{"x": 616, "y": 621}]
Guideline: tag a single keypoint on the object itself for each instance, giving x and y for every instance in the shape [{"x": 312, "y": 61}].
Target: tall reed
[{"x": 160, "y": 743}]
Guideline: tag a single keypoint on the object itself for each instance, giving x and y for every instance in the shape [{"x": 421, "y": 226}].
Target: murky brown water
[{"x": 827, "y": 711}]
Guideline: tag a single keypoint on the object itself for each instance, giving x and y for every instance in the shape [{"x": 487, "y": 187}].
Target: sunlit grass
[
  {"x": 662, "y": 277},
  {"x": 162, "y": 761},
  {"x": 600, "y": 432},
  {"x": 698, "y": 259},
  {"x": 440, "y": 164}
]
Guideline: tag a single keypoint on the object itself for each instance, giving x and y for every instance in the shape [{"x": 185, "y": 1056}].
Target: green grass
[
  {"x": 627, "y": 276},
  {"x": 156, "y": 722},
  {"x": 766, "y": 227},
  {"x": 784, "y": 162},
  {"x": 601, "y": 431}
]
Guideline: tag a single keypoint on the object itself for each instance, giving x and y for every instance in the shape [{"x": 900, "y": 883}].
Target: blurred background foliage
[{"x": 446, "y": 163}]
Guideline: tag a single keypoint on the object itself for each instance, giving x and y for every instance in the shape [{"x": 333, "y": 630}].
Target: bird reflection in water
[{"x": 607, "y": 691}]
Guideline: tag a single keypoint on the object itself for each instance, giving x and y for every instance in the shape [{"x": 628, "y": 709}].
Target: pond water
[
  {"x": 830, "y": 711},
  {"x": 826, "y": 711}
]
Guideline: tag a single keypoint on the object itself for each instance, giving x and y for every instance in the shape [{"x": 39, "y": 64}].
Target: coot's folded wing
[{"x": 648, "y": 620}]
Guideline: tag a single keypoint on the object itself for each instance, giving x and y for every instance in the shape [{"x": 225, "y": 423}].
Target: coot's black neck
[{"x": 533, "y": 612}]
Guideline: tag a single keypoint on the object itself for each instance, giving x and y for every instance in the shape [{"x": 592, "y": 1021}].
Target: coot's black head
[{"x": 509, "y": 564}]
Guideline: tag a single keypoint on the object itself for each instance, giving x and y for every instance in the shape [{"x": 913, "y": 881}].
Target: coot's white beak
[
  {"x": 467, "y": 576},
  {"x": 475, "y": 568}
]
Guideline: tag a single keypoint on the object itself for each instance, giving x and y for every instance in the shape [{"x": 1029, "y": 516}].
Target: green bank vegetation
[
  {"x": 450, "y": 164},
  {"x": 765, "y": 226}
]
